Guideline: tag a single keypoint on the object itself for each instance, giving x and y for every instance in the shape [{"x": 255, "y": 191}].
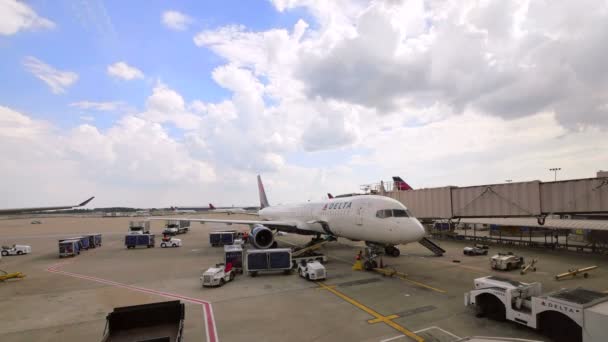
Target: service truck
[
  {"x": 69, "y": 247},
  {"x": 134, "y": 240},
  {"x": 312, "y": 270},
  {"x": 568, "y": 315},
  {"x": 174, "y": 227},
  {"x": 265, "y": 260},
  {"x": 506, "y": 261},
  {"x": 16, "y": 250},
  {"x": 222, "y": 238},
  {"x": 218, "y": 275},
  {"x": 162, "y": 321},
  {"x": 139, "y": 227}
]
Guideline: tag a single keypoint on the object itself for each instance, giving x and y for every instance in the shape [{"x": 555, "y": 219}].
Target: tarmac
[{"x": 68, "y": 299}]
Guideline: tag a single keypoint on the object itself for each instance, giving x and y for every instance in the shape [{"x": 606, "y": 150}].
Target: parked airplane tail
[
  {"x": 400, "y": 184},
  {"x": 211, "y": 206},
  {"x": 262, "y": 192},
  {"x": 330, "y": 196}
]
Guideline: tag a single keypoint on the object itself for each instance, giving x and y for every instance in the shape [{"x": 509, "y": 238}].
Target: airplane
[
  {"x": 228, "y": 211},
  {"x": 380, "y": 221},
  {"x": 400, "y": 184},
  {"x": 31, "y": 210},
  {"x": 182, "y": 211}
]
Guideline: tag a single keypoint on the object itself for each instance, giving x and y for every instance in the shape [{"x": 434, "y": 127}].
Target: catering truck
[
  {"x": 265, "y": 260},
  {"x": 566, "y": 315},
  {"x": 162, "y": 321},
  {"x": 174, "y": 227},
  {"x": 139, "y": 227}
]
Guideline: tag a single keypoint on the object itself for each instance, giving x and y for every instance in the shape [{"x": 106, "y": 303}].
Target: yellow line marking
[
  {"x": 382, "y": 319},
  {"x": 326, "y": 287},
  {"x": 423, "y": 285},
  {"x": 371, "y": 312}
]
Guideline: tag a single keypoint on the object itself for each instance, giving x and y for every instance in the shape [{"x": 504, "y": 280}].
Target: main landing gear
[{"x": 392, "y": 251}]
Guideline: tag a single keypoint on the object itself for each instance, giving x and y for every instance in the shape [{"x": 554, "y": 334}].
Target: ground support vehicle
[
  {"x": 265, "y": 260},
  {"x": 312, "y": 270},
  {"x": 218, "y": 275},
  {"x": 16, "y": 250},
  {"x": 572, "y": 315},
  {"x": 233, "y": 254},
  {"x": 170, "y": 242},
  {"x": 506, "y": 262},
  {"x": 222, "y": 238},
  {"x": 308, "y": 257},
  {"x": 69, "y": 247},
  {"x": 162, "y": 321},
  {"x": 174, "y": 227},
  {"x": 134, "y": 240},
  {"x": 139, "y": 227},
  {"x": 474, "y": 251}
]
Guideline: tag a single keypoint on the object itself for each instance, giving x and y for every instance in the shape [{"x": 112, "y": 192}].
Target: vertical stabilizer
[
  {"x": 211, "y": 206},
  {"x": 262, "y": 192}
]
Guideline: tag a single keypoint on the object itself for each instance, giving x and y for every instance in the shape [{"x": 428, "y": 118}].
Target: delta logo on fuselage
[{"x": 338, "y": 205}]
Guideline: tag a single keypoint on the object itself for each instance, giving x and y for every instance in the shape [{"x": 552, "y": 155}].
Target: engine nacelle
[{"x": 261, "y": 237}]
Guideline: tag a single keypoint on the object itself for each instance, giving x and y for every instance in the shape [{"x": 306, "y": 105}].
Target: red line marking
[{"x": 209, "y": 318}]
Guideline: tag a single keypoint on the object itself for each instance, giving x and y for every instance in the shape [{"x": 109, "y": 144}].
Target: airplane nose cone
[{"x": 421, "y": 232}]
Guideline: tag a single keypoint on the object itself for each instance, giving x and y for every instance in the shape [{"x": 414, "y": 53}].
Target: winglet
[
  {"x": 211, "y": 206},
  {"x": 330, "y": 196},
  {"x": 85, "y": 202},
  {"x": 262, "y": 192}
]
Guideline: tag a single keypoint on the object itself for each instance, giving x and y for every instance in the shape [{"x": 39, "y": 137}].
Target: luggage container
[
  {"x": 222, "y": 238},
  {"x": 134, "y": 240},
  {"x": 234, "y": 254},
  {"x": 69, "y": 247},
  {"x": 84, "y": 241},
  {"x": 158, "y": 322},
  {"x": 97, "y": 238},
  {"x": 91, "y": 240},
  {"x": 264, "y": 260}
]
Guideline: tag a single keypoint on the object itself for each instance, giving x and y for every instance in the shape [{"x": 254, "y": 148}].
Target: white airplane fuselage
[{"x": 355, "y": 218}]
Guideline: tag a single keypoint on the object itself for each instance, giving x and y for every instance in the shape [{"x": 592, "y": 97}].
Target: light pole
[{"x": 555, "y": 169}]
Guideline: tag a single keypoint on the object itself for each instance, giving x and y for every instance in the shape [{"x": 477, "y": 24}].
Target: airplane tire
[
  {"x": 395, "y": 252},
  {"x": 367, "y": 266}
]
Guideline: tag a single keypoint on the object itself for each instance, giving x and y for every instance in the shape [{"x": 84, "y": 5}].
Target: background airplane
[{"x": 36, "y": 209}]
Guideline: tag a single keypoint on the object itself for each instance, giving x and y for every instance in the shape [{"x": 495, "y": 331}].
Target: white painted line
[
  {"x": 438, "y": 328},
  {"x": 210, "y": 328},
  {"x": 419, "y": 331}
]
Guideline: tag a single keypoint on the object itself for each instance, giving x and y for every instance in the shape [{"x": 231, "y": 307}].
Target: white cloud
[
  {"x": 175, "y": 20},
  {"x": 57, "y": 80},
  {"x": 16, "y": 16},
  {"x": 100, "y": 106},
  {"x": 124, "y": 71}
]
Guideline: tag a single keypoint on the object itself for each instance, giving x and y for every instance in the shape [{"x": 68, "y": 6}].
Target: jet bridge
[{"x": 536, "y": 199}]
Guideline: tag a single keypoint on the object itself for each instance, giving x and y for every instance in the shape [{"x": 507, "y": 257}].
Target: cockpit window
[
  {"x": 384, "y": 213},
  {"x": 400, "y": 213}
]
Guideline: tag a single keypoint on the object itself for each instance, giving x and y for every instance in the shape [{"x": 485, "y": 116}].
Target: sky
[{"x": 185, "y": 102}]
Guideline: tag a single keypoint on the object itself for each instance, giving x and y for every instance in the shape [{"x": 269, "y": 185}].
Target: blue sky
[{"x": 86, "y": 41}]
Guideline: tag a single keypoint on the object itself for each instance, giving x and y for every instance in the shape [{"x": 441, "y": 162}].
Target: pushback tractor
[{"x": 567, "y": 315}]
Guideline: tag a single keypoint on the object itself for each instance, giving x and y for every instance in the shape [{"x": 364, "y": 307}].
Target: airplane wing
[
  {"x": 30, "y": 210},
  {"x": 279, "y": 225}
]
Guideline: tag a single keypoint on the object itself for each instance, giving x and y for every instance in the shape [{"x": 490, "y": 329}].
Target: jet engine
[{"x": 261, "y": 237}]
